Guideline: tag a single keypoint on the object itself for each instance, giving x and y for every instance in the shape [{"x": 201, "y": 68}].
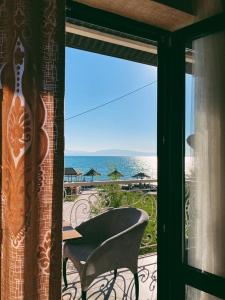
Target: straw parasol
[
  {"x": 115, "y": 174},
  {"x": 92, "y": 172},
  {"x": 70, "y": 172},
  {"x": 141, "y": 175}
]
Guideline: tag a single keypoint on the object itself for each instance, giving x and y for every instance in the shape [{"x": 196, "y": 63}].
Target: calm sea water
[{"x": 128, "y": 166}]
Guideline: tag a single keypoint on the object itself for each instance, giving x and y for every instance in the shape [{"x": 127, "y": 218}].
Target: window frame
[
  {"x": 173, "y": 273},
  {"x": 191, "y": 276}
]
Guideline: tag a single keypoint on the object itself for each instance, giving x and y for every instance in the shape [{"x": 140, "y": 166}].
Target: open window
[
  {"x": 122, "y": 53},
  {"x": 183, "y": 61}
]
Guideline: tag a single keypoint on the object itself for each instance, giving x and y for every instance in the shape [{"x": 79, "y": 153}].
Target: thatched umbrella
[
  {"x": 141, "y": 175},
  {"x": 70, "y": 172},
  {"x": 92, "y": 173},
  {"x": 115, "y": 174}
]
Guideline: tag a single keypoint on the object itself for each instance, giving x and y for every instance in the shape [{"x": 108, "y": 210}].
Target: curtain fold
[
  {"x": 210, "y": 153},
  {"x": 32, "y": 90},
  {"x": 207, "y": 243}
]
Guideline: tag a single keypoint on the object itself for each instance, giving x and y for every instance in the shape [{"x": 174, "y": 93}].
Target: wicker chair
[{"x": 109, "y": 241}]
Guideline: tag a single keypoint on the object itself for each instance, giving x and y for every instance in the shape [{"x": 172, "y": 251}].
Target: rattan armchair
[{"x": 109, "y": 241}]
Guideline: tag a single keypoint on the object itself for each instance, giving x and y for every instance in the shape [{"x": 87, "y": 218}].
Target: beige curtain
[
  {"x": 210, "y": 153},
  {"x": 31, "y": 90},
  {"x": 207, "y": 232}
]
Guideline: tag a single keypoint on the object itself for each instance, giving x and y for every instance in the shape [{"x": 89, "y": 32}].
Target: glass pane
[
  {"x": 98, "y": 178},
  {"x": 205, "y": 155},
  {"x": 194, "y": 294}
]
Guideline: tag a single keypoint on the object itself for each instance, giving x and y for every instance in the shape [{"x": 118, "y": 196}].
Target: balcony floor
[{"x": 105, "y": 287}]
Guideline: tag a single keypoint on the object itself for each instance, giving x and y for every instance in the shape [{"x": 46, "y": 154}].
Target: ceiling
[
  {"x": 166, "y": 14},
  {"x": 85, "y": 35}
]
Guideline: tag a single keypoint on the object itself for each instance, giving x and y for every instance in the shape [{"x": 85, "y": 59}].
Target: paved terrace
[{"x": 105, "y": 287}]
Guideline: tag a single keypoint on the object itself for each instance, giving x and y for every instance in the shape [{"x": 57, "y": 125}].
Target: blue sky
[{"x": 129, "y": 124}]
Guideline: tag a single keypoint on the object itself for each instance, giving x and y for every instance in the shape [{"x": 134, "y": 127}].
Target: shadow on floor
[{"x": 122, "y": 288}]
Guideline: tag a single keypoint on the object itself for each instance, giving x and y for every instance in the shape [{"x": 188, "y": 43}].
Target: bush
[{"x": 114, "y": 196}]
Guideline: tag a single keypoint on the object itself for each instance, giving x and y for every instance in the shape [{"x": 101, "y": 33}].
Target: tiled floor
[{"x": 105, "y": 287}]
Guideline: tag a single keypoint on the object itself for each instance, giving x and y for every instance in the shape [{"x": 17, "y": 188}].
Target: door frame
[
  {"x": 204, "y": 281},
  {"x": 173, "y": 273}
]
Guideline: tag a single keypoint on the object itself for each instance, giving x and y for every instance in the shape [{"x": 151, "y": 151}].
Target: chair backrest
[
  {"x": 116, "y": 220},
  {"x": 119, "y": 232}
]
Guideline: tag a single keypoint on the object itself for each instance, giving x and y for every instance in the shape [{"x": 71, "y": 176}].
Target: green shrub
[{"x": 114, "y": 196}]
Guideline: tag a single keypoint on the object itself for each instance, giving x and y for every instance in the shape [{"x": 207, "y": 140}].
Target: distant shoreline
[
  {"x": 90, "y": 155},
  {"x": 109, "y": 152}
]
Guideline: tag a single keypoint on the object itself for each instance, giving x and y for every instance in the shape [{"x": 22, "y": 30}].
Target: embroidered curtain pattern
[{"x": 31, "y": 91}]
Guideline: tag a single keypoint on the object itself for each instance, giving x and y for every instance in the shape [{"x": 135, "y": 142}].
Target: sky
[{"x": 128, "y": 124}]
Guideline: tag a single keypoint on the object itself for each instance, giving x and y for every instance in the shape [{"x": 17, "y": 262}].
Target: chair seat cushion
[{"x": 78, "y": 253}]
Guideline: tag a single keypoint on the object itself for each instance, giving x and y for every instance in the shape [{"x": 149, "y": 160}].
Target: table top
[{"x": 69, "y": 232}]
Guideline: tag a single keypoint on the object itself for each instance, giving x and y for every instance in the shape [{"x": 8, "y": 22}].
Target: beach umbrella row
[
  {"x": 70, "y": 172},
  {"x": 115, "y": 174}
]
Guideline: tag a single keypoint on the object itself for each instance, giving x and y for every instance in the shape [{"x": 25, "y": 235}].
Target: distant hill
[{"x": 109, "y": 152}]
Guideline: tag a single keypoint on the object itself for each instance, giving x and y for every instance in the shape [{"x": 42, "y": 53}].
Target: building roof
[
  {"x": 72, "y": 172},
  {"x": 85, "y": 33}
]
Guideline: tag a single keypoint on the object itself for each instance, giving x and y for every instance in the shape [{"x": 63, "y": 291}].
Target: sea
[{"x": 126, "y": 165}]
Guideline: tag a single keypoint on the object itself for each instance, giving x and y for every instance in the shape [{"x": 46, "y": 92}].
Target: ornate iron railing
[
  {"x": 86, "y": 200},
  {"x": 94, "y": 198}
]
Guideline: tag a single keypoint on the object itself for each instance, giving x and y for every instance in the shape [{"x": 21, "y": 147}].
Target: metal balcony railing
[
  {"x": 88, "y": 199},
  {"x": 84, "y": 200}
]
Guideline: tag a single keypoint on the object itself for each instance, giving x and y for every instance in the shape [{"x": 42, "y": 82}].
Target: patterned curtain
[{"x": 31, "y": 92}]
